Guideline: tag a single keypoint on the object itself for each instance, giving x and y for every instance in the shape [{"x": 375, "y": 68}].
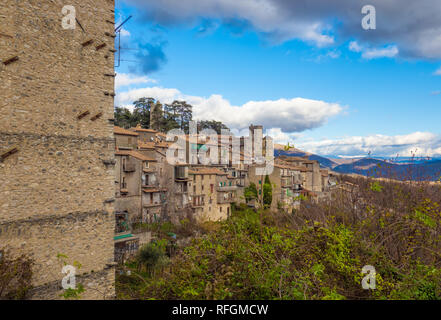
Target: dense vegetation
[
  {"x": 15, "y": 276},
  {"x": 176, "y": 115},
  {"x": 317, "y": 252}
]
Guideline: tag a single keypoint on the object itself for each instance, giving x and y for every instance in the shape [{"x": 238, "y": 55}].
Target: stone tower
[{"x": 56, "y": 141}]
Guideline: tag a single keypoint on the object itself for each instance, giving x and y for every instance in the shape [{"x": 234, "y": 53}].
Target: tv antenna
[{"x": 118, "y": 31}]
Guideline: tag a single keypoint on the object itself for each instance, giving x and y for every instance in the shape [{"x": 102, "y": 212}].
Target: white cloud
[
  {"x": 283, "y": 137},
  {"x": 437, "y": 72},
  {"x": 421, "y": 143},
  {"x": 388, "y": 52},
  {"x": 266, "y": 16},
  {"x": 124, "y": 79},
  {"x": 414, "y": 26},
  {"x": 125, "y": 33},
  {"x": 374, "y": 53},
  {"x": 289, "y": 115},
  {"x": 354, "y": 46}
]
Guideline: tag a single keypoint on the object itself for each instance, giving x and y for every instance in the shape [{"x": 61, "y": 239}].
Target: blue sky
[{"x": 229, "y": 64}]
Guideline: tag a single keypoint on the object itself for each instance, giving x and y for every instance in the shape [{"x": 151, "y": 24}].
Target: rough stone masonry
[{"x": 56, "y": 141}]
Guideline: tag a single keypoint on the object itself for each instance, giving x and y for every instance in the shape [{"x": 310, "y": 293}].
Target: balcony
[
  {"x": 181, "y": 173},
  {"x": 150, "y": 185},
  {"x": 152, "y": 204},
  {"x": 129, "y": 167},
  {"x": 226, "y": 188},
  {"x": 223, "y": 200},
  {"x": 198, "y": 205},
  {"x": 287, "y": 183}
]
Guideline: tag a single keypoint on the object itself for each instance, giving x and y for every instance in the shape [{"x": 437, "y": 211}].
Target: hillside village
[
  {"x": 148, "y": 189},
  {"x": 74, "y": 185}
]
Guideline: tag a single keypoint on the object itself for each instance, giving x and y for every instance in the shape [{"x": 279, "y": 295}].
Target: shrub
[{"x": 15, "y": 276}]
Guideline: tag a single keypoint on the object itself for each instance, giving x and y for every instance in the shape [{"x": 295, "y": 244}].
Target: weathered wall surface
[{"x": 57, "y": 191}]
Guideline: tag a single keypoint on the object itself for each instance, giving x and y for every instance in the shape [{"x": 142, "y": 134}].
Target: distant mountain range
[{"x": 400, "y": 168}]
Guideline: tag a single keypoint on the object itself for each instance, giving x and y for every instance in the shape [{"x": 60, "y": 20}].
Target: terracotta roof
[
  {"x": 122, "y": 131},
  {"x": 134, "y": 154},
  {"x": 163, "y": 144},
  {"x": 140, "y": 129},
  {"x": 143, "y": 130},
  {"x": 146, "y": 145}
]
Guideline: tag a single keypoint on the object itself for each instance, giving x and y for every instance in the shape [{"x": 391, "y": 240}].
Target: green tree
[
  {"x": 250, "y": 192},
  {"x": 212, "y": 124},
  {"x": 141, "y": 112},
  {"x": 267, "y": 192},
  {"x": 124, "y": 118},
  {"x": 182, "y": 114}
]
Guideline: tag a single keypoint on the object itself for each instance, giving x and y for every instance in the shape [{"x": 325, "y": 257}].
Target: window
[
  {"x": 202, "y": 177},
  {"x": 146, "y": 164},
  {"x": 211, "y": 188},
  {"x": 202, "y": 187},
  {"x": 220, "y": 209},
  {"x": 194, "y": 189}
]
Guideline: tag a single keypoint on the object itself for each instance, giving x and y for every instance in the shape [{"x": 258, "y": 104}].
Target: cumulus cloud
[
  {"x": 413, "y": 26},
  {"x": 288, "y": 115},
  {"x": 374, "y": 53},
  {"x": 419, "y": 143},
  {"x": 124, "y": 79},
  {"x": 125, "y": 33}
]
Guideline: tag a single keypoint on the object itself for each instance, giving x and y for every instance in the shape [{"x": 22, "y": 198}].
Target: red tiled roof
[
  {"x": 143, "y": 130},
  {"x": 146, "y": 145},
  {"x": 122, "y": 131}
]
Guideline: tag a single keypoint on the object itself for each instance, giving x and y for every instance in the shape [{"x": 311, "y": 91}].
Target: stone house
[
  {"x": 286, "y": 182},
  {"x": 125, "y": 139},
  {"x": 138, "y": 191},
  {"x": 205, "y": 195}
]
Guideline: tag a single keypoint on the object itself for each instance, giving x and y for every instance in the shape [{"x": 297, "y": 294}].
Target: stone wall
[{"x": 57, "y": 190}]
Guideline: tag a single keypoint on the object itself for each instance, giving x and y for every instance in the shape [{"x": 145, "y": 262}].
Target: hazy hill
[
  {"x": 416, "y": 170},
  {"x": 430, "y": 170}
]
